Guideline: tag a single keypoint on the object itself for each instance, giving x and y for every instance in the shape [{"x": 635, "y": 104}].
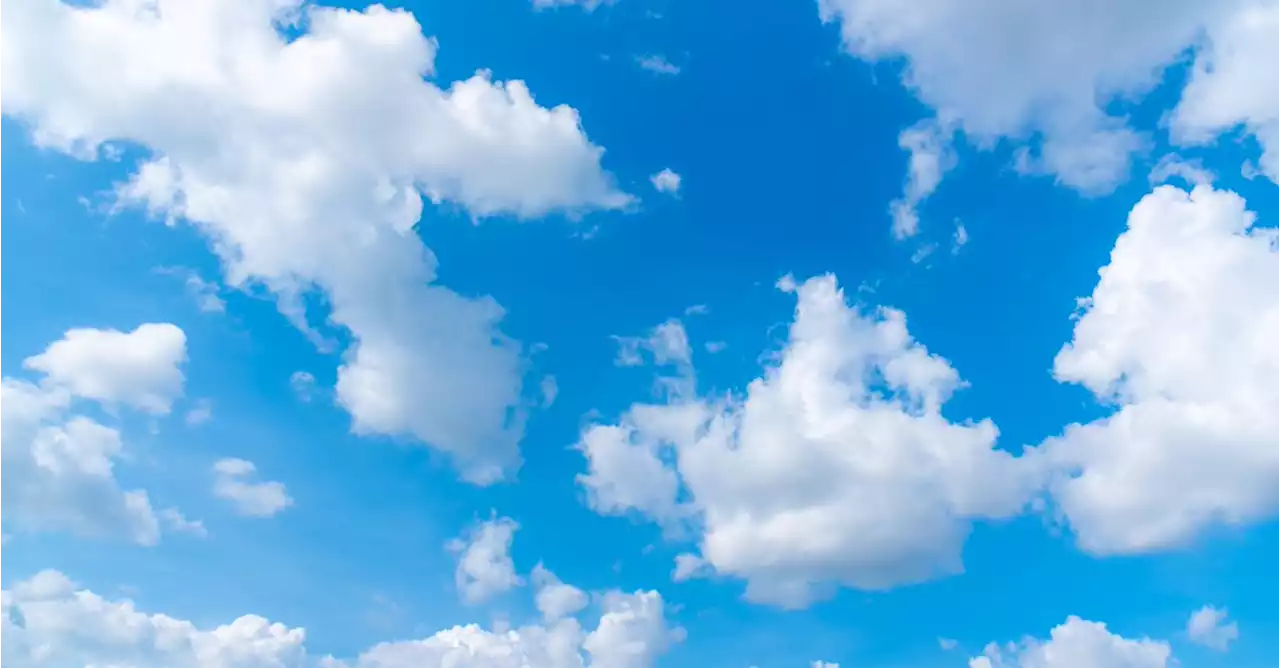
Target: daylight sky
[{"x": 640, "y": 333}]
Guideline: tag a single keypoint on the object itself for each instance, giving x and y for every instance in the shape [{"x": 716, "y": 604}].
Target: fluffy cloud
[
  {"x": 1180, "y": 335},
  {"x": 48, "y": 621},
  {"x": 139, "y": 368},
  {"x": 1208, "y": 626},
  {"x": 1233, "y": 83},
  {"x": 666, "y": 181},
  {"x": 1045, "y": 74},
  {"x": 1075, "y": 643},
  {"x": 305, "y": 162},
  {"x": 232, "y": 481},
  {"x": 555, "y": 599},
  {"x": 58, "y": 464},
  {"x": 835, "y": 467},
  {"x": 485, "y": 568}
]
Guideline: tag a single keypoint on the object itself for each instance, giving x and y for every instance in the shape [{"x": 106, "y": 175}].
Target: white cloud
[
  {"x": 550, "y": 390},
  {"x": 1208, "y": 626},
  {"x": 141, "y": 368},
  {"x": 232, "y": 482},
  {"x": 835, "y": 467},
  {"x": 48, "y": 620},
  {"x": 303, "y": 385},
  {"x": 58, "y": 464},
  {"x": 632, "y": 631},
  {"x": 305, "y": 162},
  {"x": 1180, "y": 335},
  {"x": 959, "y": 238},
  {"x": 555, "y": 599},
  {"x": 200, "y": 413},
  {"x": 658, "y": 64},
  {"x": 667, "y": 344},
  {"x": 485, "y": 568},
  {"x": 203, "y": 293},
  {"x": 1041, "y": 73},
  {"x": 666, "y": 181},
  {"x": 1045, "y": 74},
  {"x": 1076, "y": 643},
  {"x": 178, "y": 523},
  {"x": 931, "y": 156},
  {"x": 588, "y": 5},
  {"x": 1174, "y": 166},
  {"x": 1233, "y": 83}
]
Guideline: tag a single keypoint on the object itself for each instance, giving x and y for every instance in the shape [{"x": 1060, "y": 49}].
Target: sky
[{"x": 640, "y": 333}]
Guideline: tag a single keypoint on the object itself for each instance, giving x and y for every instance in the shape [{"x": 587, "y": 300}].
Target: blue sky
[{"x": 786, "y": 139}]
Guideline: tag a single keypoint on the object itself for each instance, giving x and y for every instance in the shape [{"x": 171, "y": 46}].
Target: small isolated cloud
[
  {"x": 657, "y": 64},
  {"x": 555, "y": 599},
  {"x": 947, "y": 644},
  {"x": 928, "y": 143},
  {"x": 303, "y": 384},
  {"x": 588, "y": 5},
  {"x": 1173, "y": 166},
  {"x": 959, "y": 238},
  {"x": 203, "y": 292},
  {"x": 200, "y": 413},
  {"x": 251, "y": 499},
  {"x": 666, "y": 181},
  {"x": 178, "y": 523},
  {"x": 485, "y": 568},
  {"x": 1209, "y": 627},
  {"x": 714, "y": 347},
  {"x": 550, "y": 390}
]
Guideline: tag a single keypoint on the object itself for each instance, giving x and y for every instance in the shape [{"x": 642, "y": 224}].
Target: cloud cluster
[
  {"x": 48, "y": 620},
  {"x": 58, "y": 463},
  {"x": 305, "y": 161},
  {"x": 837, "y": 466}
]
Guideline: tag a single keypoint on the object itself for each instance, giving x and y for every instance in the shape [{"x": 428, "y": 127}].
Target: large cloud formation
[
  {"x": 305, "y": 160},
  {"x": 1180, "y": 336},
  {"x": 836, "y": 466}
]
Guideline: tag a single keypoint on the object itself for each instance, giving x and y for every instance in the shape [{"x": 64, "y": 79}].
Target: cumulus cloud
[
  {"x": 485, "y": 568},
  {"x": 303, "y": 385},
  {"x": 141, "y": 369},
  {"x": 835, "y": 467},
  {"x": 1075, "y": 643},
  {"x": 305, "y": 161},
  {"x": 233, "y": 481},
  {"x": 1208, "y": 626},
  {"x": 1233, "y": 83},
  {"x": 58, "y": 464},
  {"x": 49, "y": 621},
  {"x": 1180, "y": 336}
]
